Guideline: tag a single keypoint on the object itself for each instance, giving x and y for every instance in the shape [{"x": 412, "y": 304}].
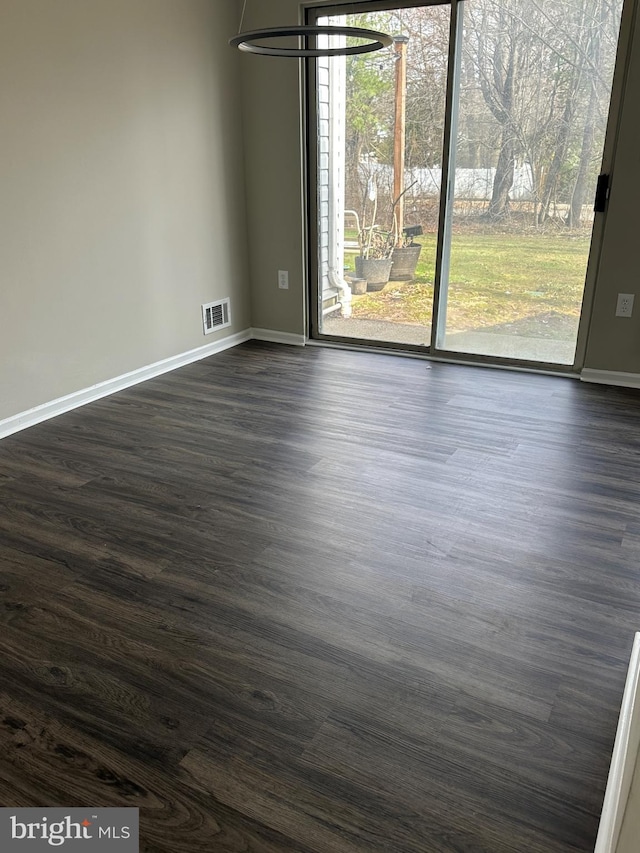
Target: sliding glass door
[
  {"x": 455, "y": 174},
  {"x": 531, "y": 106},
  {"x": 380, "y": 135}
]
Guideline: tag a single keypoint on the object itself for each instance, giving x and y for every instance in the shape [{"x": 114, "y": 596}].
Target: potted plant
[
  {"x": 375, "y": 259},
  {"x": 386, "y": 255},
  {"x": 406, "y": 255}
]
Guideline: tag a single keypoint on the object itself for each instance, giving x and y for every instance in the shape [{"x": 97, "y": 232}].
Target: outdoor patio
[{"x": 484, "y": 341}]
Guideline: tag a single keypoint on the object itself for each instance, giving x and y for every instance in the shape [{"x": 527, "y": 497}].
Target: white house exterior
[{"x": 331, "y": 97}]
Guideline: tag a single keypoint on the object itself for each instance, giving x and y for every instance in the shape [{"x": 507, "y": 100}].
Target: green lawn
[{"x": 524, "y": 284}]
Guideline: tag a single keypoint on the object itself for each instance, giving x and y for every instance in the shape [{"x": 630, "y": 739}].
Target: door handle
[{"x": 602, "y": 194}]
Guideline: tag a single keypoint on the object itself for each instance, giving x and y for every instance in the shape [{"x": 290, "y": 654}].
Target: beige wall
[
  {"x": 273, "y": 172},
  {"x": 121, "y": 188},
  {"x": 272, "y": 121}
]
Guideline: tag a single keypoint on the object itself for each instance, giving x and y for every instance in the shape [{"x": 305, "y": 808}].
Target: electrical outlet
[
  {"x": 624, "y": 308},
  {"x": 283, "y": 279}
]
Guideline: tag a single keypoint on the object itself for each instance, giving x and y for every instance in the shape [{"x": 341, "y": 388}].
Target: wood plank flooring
[{"x": 321, "y": 601}]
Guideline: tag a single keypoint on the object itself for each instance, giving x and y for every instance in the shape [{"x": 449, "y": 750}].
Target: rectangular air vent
[{"x": 216, "y": 315}]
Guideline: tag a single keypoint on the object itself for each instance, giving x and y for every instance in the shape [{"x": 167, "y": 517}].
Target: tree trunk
[
  {"x": 579, "y": 191},
  {"x": 503, "y": 181},
  {"x": 588, "y": 137},
  {"x": 505, "y": 167},
  {"x": 560, "y": 155}
]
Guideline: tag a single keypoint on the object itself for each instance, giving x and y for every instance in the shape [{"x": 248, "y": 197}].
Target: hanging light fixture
[{"x": 250, "y": 41}]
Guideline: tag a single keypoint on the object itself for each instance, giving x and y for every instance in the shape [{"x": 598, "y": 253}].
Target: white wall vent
[{"x": 216, "y": 315}]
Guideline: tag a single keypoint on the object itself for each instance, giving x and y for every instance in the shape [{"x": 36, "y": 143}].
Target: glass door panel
[
  {"x": 531, "y": 110},
  {"x": 380, "y": 125}
]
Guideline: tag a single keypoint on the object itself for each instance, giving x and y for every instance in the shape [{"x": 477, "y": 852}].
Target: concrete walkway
[{"x": 474, "y": 343}]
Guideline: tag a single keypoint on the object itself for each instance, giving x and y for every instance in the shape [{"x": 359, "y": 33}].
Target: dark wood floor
[{"x": 313, "y": 600}]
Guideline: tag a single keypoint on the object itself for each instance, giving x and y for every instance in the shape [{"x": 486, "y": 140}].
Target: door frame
[{"x": 311, "y": 11}]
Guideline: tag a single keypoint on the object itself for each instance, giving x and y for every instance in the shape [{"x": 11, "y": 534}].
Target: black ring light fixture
[{"x": 249, "y": 41}]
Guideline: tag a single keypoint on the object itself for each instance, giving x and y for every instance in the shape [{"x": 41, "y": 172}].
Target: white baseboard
[
  {"x": 623, "y": 761},
  {"x": 611, "y": 377},
  {"x": 87, "y": 395},
  {"x": 278, "y": 337}
]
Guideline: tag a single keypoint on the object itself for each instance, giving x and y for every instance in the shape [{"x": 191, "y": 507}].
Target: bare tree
[
  {"x": 494, "y": 43},
  {"x": 544, "y": 70},
  {"x": 535, "y": 87},
  {"x": 601, "y": 36}
]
